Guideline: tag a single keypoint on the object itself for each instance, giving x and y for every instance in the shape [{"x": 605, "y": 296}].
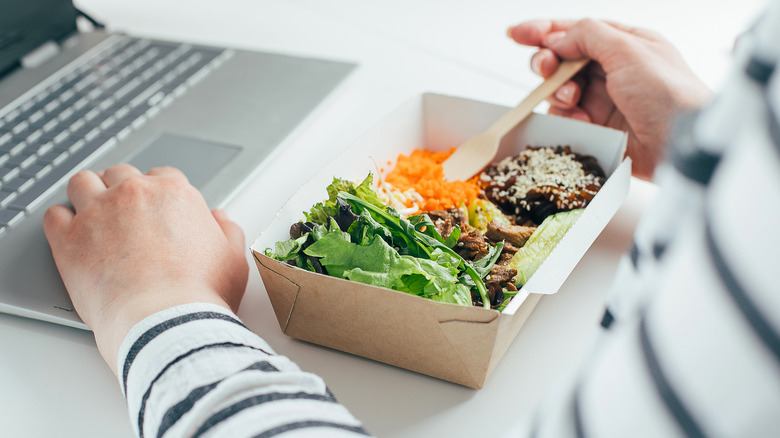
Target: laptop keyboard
[{"x": 87, "y": 110}]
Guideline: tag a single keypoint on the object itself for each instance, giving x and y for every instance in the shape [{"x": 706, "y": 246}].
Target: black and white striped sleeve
[
  {"x": 697, "y": 354},
  {"x": 196, "y": 370}
]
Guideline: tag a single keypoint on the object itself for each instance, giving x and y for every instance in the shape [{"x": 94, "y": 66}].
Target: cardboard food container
[{"x": 451, "y": 342}]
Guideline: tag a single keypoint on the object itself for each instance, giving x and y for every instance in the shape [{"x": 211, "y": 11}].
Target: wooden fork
[{"x": 479, "y": 151}]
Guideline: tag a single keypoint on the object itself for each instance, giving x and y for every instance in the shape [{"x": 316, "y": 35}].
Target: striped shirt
[
  {"x": 195, "y": 370},
  {"x": 692, "y": 346}
]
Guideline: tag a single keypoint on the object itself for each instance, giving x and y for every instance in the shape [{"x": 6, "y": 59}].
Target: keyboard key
[
  {"x": 24, "y": 107},
  {"x": 50, "y": 125},
  {"x": 92, "y": 134},
  {"x": 21, "y": 127},
  {"x": 34, "y": 137},
  {"x": 91, "y": 114},
  {"x": 45, "y": 148},
  {"x": 17, "y": 148},
  {"x": 12, "y": 115},
  {"x": 67, "y": 112},
  {"x": 61, "y": 137},
  {"x": 21, "y": 161},
  {"x": 54, "y": 157},
  {"x": 30, "y": 199},
  {"x": 107, "y": 123},
  {"x": 19, "y": 184},
  {"x": 6, "y": 198},
  {"x": 78, "y": 124},
  {"x": 8, "y": 173},
  {"x": 66, "y": 96},
  {"x": 37, "y": 170},
  {"x": 36, "y": 116},
  {"x": 51, "y": 106},
  {"x": 10, "y": 218},
  {"x": 76, "y": 146}
]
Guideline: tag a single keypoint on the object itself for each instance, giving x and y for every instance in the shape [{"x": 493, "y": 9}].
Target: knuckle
[
  {"x": 79, "y": 176},
  {"x": 589, "y": 23},
  {"x": 133, "y": 187},
  {"x": 49, "y": 216},
  {"x": 123, "y": 166},
  {"x": 170, "y": 171}
]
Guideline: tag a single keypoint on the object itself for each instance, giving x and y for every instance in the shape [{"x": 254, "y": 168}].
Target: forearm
[{"x": 195, "y": 368}]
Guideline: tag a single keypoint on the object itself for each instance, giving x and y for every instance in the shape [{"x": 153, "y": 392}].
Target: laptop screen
[{"x": 27, "y": 24}]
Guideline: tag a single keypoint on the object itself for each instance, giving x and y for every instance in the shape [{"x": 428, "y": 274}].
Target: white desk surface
[{"x": 53, "y": 382}]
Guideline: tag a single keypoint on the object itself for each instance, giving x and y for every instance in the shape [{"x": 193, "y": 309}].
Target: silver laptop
[{"x": 71, "y": 100}]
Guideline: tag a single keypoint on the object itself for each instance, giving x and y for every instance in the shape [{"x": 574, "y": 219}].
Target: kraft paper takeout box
[{"x": 454, "y": 343}]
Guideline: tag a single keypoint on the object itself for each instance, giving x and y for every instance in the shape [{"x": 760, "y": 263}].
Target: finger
[
  {"x": 567, "y": 96},
  {"x": 638, "y": 31},
  {"x": 596, "y": 101},
  {"x": 56, "y": 219},
  {"x": 544, "y": 62},
  {"x": 532, "y": 33},
  {"x": 84, "y": 186},
  {"x": 233, "y": 232},
  {"x": 168, "y": 171},
  {"x": 116, "y": 174},
  {"x": 591, "y": 39},
  {"x": 576, "y": 113}
]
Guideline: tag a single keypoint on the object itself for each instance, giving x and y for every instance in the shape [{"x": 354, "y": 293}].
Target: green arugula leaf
[
  {"x": 415, "y": 243},
  {"x": 423, "y": 224},
  {"x": 485, "y": 264}
]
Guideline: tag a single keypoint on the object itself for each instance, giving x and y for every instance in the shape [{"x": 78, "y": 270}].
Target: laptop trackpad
[{"x": 198, "y": 159}]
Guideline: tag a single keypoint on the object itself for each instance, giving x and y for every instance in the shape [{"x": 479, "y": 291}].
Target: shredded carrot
[{"x": 422, "y": 171}]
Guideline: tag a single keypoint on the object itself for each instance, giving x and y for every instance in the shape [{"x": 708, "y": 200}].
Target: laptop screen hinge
[{"x": 39, "y": 56}]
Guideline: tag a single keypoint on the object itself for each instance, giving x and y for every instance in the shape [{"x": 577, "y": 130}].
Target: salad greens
[{"x": 354, "y": 235}]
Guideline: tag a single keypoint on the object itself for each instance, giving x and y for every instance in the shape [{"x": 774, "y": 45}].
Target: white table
[{"x": 53, "y": 381}]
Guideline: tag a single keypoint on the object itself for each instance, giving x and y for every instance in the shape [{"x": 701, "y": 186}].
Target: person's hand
[
  {"x": 638, "y": 82},
  {"x": 138, "y": 244}
]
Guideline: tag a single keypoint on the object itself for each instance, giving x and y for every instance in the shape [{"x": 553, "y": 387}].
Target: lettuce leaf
[
  {"x": 408, "y": 241},
  {"x": 354, "y": 235},
  {"x": 379, "y": 264},
  {"x": 320, "y": 212}
]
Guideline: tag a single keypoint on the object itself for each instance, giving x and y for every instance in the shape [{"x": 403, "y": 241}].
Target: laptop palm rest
[{"x": 199, "y": 159}]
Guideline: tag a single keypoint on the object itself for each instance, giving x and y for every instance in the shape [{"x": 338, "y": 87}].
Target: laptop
[{"x": 71, "y": 100}]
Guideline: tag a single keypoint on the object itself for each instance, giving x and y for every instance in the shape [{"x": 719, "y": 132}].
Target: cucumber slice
[{"x": 541, "y": 243}]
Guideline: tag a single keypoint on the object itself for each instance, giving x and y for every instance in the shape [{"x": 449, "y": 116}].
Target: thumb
[
  {"x": 55, "y": 221},
  {"x": 234, "y": 233}
]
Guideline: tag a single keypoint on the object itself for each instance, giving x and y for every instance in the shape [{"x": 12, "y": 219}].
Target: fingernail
[
  {"x": 509, "y": 31},
  {"x": 553, "y": 38},
  {"x": 536, "y": 64},
  {"x": 564, "y": 94}
]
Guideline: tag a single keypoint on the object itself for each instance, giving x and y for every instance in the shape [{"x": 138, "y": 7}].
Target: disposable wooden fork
[{"x": 479, "y": 151}]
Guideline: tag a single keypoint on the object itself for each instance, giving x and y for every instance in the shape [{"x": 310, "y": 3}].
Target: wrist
[{"x": 119, "y": 316}]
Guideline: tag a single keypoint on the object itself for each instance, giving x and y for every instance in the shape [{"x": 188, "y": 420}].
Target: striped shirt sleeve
[
  {"x": 692, "y": 347},
  {"x": 195, "y": 370}
]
